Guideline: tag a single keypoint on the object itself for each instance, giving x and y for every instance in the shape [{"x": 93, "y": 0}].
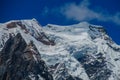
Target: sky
[{"x": 65, "y": 12}]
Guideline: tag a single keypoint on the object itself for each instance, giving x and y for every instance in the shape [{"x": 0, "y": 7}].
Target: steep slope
[
  {"x": 22, "y": 61},
  {"x": 76, "y": 52},
  {"x": 27, "y": 34},
  {"x": 91, "y": 46},
  {"x": 19, "y": 61}
]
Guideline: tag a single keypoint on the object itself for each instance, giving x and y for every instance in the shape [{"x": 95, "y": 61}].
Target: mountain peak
[{"x": 75, "y": 52}]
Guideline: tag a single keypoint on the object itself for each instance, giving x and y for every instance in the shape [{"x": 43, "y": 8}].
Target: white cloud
[{"x": 82, "y": 12}]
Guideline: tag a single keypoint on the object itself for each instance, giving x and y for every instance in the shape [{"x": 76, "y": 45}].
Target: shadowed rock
[{"x": 19, "y": 61}]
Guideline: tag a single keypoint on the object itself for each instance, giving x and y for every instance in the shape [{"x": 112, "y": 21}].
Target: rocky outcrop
[
  {"x": 19, "y": 61},
  {"x": 96, "y": 68},
  {"x": 60, "y": 72}
]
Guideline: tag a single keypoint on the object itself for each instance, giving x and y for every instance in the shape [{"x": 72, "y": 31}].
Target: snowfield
[{"x": 84, "y": 50}]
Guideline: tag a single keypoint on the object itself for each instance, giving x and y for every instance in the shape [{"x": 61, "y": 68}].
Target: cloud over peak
[{"x": 82, "y": 12}]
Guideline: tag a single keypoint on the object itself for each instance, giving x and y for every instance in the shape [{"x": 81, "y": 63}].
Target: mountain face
[{"x": 76, "y": 52}]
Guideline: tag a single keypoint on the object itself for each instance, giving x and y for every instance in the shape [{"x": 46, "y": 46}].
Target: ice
[{"x": 71, "y": 43}]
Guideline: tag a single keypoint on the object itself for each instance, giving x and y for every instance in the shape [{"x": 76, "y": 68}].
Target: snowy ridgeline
[{"x": 82, "y": 50}]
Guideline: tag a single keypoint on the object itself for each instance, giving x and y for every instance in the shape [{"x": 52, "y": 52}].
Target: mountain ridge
[{"x": 76, "y": 52}]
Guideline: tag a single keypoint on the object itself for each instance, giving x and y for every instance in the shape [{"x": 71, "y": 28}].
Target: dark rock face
[
  {"x": 19, "y": 61},
  {"x": 41, "y": 36},
  {"x": 95, "y": 68},
  {"x": 11, "y": 25},
  {"x": 60, "y": 72},
  {"x": 44, "y": 39}
]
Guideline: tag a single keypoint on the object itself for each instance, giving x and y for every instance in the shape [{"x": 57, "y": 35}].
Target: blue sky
[{"x": 65, "y": 12}]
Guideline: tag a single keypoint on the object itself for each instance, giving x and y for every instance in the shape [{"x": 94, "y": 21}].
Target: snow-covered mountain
[{"x": 81, "y": 51}]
